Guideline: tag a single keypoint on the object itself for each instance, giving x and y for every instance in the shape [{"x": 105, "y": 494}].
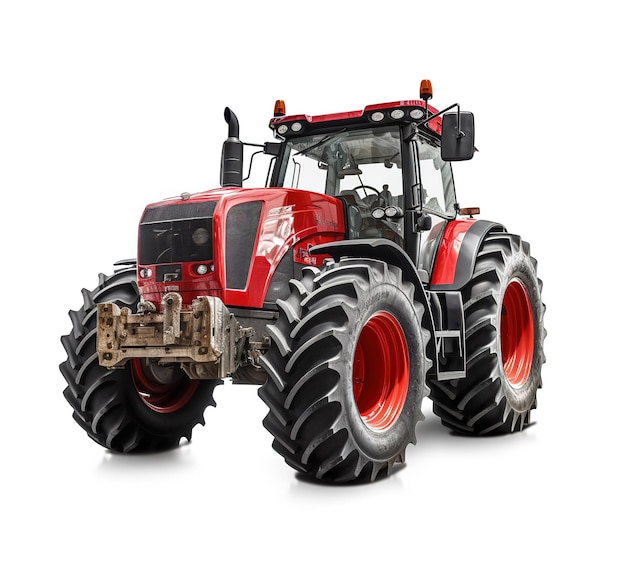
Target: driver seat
[
  {"x": 355, "y": 220},
  {"x": 350, "y": 196}
]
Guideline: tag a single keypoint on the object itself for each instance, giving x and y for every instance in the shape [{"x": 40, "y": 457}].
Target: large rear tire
[
  {"x": 347, "y": 368},
  {"x": 504, "y": 343},
  {"x": 143, "y": 407}
]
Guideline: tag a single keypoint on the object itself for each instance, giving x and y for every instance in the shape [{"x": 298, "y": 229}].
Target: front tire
[
  {"x": 143, "y": 407},
  {"x": 347, "y": 369},
  {"x": 504, "y": 343}
]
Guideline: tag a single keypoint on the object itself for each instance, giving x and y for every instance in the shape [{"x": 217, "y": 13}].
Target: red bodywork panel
[
  {"x": 289, "y": 219},
  {"x": 448, "y": 251}
]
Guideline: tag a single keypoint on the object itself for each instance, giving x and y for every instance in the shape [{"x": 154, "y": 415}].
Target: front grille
[
  {"x": 172, "y": 212},
  {"x": 176, "y": 233},
  {"x": 242, "y": 223}
]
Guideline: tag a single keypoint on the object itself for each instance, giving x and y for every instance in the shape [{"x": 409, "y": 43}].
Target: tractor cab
[
  {"x": 378, "y": 175},
  {"x": 383, "y": 162},
  {"x": 362, "y": 167},
  {"x": 389, "y": 164}
]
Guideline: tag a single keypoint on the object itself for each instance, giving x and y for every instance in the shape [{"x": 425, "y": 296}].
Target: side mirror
[
  {"x": 457, "y": 136},
  {"x": 424, "y": 222}
]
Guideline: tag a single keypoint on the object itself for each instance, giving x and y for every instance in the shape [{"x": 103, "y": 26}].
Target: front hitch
[{"x": 205, "y": 339}]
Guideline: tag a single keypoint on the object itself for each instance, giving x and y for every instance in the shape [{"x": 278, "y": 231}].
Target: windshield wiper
[{"x": 324, "y": 140}]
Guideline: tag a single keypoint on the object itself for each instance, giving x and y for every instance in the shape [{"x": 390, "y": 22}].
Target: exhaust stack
[{"x": 231, "y": 172}]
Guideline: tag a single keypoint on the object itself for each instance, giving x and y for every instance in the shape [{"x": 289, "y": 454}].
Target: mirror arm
[
  {"x": 459, "y": 134},
  {"x": 417, "y": 125}
]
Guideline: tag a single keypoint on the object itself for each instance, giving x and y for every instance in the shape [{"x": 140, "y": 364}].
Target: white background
[{"x": 107, "y": 106}]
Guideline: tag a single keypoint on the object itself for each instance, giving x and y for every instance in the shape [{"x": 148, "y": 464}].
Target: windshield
[
  {"x": 365, "y": 162},
  {"x": 363, "y": 167}
]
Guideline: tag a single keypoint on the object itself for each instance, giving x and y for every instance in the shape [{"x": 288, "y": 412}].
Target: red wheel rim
[
  {"x": 380, "y": 373},
  {"x": 162, "y": 398},
  {"x": 517, "y": 333}
]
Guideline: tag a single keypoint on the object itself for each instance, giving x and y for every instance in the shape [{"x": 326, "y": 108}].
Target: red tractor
[{"x": 348, "y": 288}]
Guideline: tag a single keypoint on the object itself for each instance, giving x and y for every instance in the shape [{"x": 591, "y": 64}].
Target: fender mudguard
[
  {"x": 382, "y": 250},
  {"x": 375, "y": 248},
  {"x": 456, "y": 253}
]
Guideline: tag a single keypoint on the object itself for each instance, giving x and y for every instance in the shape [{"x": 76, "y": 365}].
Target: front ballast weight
[{"x": 207, "y": 341}]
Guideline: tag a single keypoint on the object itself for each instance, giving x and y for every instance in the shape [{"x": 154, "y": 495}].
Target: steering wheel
[{"x": 365, "y": 187}]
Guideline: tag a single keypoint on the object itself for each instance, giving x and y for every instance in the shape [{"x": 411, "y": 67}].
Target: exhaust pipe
[
  {"x": 231, "y": 171},
  {"x": 233, "y": 123}
]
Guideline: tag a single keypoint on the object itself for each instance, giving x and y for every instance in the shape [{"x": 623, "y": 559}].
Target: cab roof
[{"x": 390, "y": 113}]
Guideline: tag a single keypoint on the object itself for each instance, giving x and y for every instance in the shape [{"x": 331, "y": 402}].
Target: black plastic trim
[
  {"x": 279, "y": 285},
  {"x": 125, "y": 263},
  {"x": 377, "y": 248}
]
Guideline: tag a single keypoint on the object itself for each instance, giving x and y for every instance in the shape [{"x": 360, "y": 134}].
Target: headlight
[
  {"x": 200, "y": 236},
  {"x": 378, "y": 213},
  {"x": 393, "y": 212}
]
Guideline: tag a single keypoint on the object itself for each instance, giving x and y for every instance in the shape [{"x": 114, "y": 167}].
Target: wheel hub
[
  {"x": 380, "y": 378},
  {"x": 517, "y": 338},
  {"x": 162, "y": 389}
]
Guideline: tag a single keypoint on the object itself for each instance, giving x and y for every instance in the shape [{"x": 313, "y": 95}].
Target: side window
[
  {"x": 304, "y": 172},
  {"x": 436, "y": 180}
]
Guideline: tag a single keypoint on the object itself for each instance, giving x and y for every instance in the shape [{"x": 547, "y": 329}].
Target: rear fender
[
  {"x": 454, "y": 261},
  {"x": 456, "y": 253}
]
